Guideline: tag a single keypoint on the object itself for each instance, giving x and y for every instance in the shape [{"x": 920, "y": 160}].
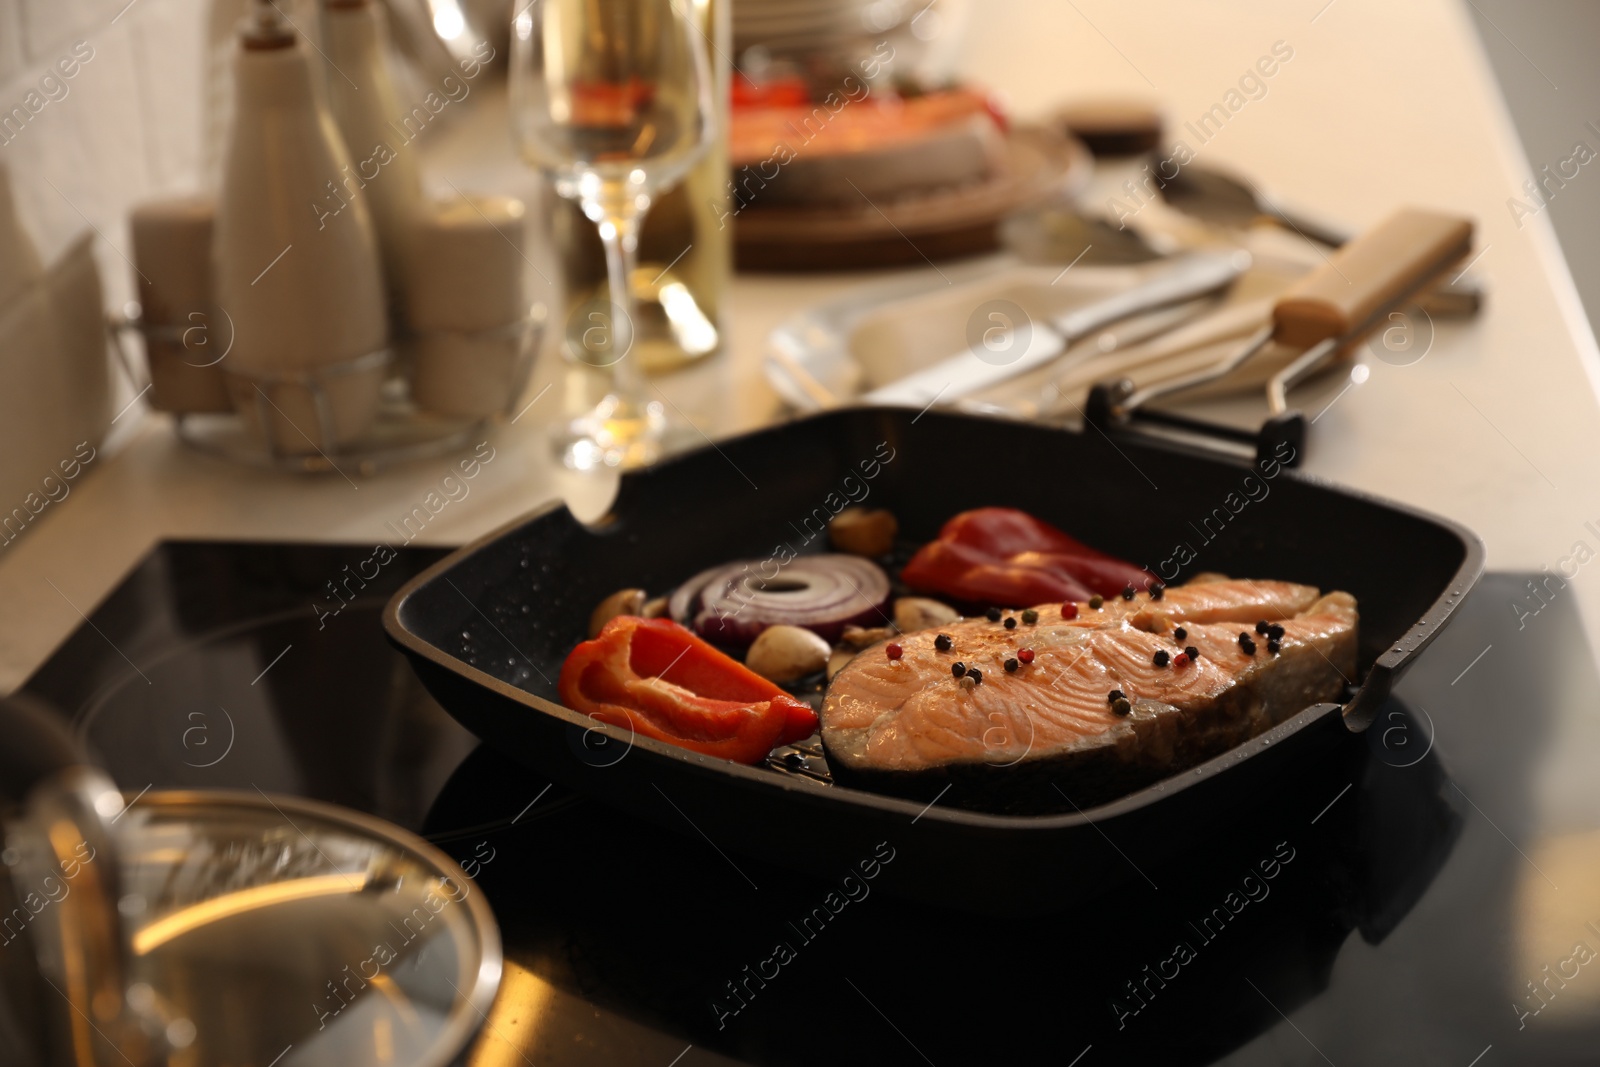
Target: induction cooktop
[{"x": 1432, "y": 897}]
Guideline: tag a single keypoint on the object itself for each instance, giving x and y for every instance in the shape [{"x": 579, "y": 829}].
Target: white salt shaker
[
  {"x": 467, "y": 306},
  {"x": 183, "y": 346}
]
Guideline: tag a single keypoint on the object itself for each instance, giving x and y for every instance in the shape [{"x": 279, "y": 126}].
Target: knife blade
[{"x": 1015, "y": 349}]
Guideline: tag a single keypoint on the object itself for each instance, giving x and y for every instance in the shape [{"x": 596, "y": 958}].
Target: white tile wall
[
  {"x": 127, "y": 128},
  {"x": 172, "y": 32},
  {"x": 46, "y": 23},
  {"x": 81, "y": 160}
]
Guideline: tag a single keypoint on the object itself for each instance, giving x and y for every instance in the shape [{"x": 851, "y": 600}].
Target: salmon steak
[{"x": 1082, "y": 704}]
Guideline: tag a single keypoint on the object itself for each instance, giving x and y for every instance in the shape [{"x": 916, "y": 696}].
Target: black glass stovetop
[{"x": 1435, "y": 898}]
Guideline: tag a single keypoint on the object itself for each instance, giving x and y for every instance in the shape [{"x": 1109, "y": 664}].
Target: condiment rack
[{"x": 402, "y": 431}]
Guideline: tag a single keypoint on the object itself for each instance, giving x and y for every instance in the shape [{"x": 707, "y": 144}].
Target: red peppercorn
[
  {"x": 1069, "y": 610},
  {"x": 1181, "y": 659},
  {"x": 1025, "y": 655},
  {"x": 893, "y": 651}
]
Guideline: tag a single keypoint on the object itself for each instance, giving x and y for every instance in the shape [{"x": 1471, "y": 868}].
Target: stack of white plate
[{"x": 790, "y": 26}]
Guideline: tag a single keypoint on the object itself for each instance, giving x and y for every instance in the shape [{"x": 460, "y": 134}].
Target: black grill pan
[{"x": 488, "y": 627}]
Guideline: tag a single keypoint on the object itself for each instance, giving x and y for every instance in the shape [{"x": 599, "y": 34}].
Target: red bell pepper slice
[
  {"x": 660, "y": 680},
  {"x": 1008, "y": 558}
]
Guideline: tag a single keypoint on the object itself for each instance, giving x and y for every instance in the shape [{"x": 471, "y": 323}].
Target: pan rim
[{"x": 1356, "y": 715}]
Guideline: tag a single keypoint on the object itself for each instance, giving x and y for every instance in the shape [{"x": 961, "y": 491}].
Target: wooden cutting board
[{"x": 927, "y": 227}]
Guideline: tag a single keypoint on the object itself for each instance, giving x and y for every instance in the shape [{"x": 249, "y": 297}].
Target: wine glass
[{"x": 612, "y": 100}]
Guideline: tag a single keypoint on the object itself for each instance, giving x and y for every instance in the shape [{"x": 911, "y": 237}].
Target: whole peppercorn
[
  {"x": 1275, "y": 632},
  {"x": 1121, "y": 707},
  {"x": 1247, "y": 646},
  {"x": 893, "y": 651},
  {"x": 1192, "y": 652},
  {"x": 1069, "y": 610},
  {"x": 1096, "y": 600},
  {"x": 976, "y": 675},
  {"x": 1181, "y": 659},
  {"x": 1011, "y": 664},
  {"x": 1179, "y": 634},
  {"x": 1025, "y": 655},
  {"x": 1030, "y": 616},
  {"x": 1161, "y": 659},
  {"x": 1114, "y": 696},
  {"x": 993, "y": 614},
  {"x": 942, "y": 642},
  {"x": 1157, "y": 590},
  {"x": 958, "y": 668},
  {"x": 1129, "y": 592},
  {"x": 1262, "y": 627},
  {"x": 1011, "y": 623},
  {"x": 1273, "y": 647}
]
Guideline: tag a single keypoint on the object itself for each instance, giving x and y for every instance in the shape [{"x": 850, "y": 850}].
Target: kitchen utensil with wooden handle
[
  {"x": 1230, "y": 200},
  {"x": 1182, "y": 350},
  {"x": 1379, "y": 270},
  {"x": 1181, "y": 280},
  {"x": 1324, "y": 313}
]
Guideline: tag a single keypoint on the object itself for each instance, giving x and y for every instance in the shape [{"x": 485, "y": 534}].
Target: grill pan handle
[{"x": 1397, "y": 659}]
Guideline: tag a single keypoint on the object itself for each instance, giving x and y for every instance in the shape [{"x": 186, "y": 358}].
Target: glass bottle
[
  {"x": 296, "y": 268},
  {"x": 365, "y": 104}
]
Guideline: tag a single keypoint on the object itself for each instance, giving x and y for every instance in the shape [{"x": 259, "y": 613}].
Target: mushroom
[
  {"x": 859, "y": 637},
  {"x": 654, "y": 609},
  {"x": 622, "y": 602},
  {"x": 863, "y": 531},
  {"x": 785, "y": 653},
  {"x": 913, "y": 613}
]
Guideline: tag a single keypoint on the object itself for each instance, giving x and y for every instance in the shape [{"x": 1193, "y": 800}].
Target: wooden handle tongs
[{"x": 1326, "y": 312}]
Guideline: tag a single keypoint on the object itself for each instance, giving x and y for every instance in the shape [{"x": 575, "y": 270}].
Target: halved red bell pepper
[
  {"x": 1008, "y": 558},
  {"x": 660, "y": 680}
]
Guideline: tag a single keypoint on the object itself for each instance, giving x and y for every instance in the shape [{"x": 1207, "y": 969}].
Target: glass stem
[{"x": 620, "y": 236}]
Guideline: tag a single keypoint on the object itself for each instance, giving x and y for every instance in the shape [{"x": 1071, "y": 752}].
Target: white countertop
[{"x": 1382, "y": 104}]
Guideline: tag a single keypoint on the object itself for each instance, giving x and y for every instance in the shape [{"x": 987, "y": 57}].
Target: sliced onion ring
[
  {"x": 824, "y": 594},
  {"x": 685, "y": 600}
]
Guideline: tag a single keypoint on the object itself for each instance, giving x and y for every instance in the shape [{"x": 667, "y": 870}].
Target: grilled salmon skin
[{"x": 1047, "y": 735}]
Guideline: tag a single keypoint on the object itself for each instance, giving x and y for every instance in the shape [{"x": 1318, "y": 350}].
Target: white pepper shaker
[{"x": 467, "y": 304}]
